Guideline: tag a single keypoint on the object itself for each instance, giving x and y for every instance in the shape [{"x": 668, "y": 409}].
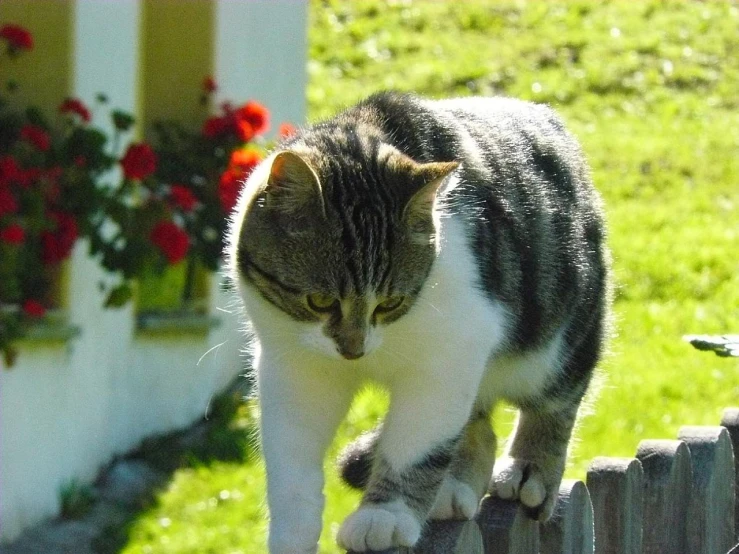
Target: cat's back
[{"x": 534, "y": 220}]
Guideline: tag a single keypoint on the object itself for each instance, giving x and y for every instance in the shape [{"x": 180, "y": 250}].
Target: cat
[{"x": 452, "y": 251}]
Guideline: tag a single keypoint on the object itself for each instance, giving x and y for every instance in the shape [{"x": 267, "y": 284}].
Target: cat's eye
[
  {"x": 319, "y": 302},
  {"x": 389, "y": 304}
]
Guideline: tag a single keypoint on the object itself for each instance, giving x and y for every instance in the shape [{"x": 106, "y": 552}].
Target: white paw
[
  {"x": 516, "y": 479},
  {"x": 378, "y": 527},
  {"x": 455, "y": 500}
]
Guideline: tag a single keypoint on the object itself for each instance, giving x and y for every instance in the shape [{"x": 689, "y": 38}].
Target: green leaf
[
  {"x": 123, "y": 121},
  {"x": 119, "y": 296}
]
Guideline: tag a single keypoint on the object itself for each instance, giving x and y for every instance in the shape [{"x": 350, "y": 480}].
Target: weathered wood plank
[
  {"x": 730, "y": 420},
  {"x": 667, "y": 490},
  {"x": 570, "y": 531},
  {"x": 711, "y": 509},
  {"x": 506, "y": 529},
  {"x": 616, "y": 491},
  {"x": 444, "y": 537}
]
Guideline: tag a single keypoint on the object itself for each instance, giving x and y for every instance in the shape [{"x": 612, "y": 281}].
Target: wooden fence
[{"x": 674, "y": 497}]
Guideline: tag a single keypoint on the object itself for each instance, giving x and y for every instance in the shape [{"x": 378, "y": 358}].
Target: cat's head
[{"x": 342, "y": 244}]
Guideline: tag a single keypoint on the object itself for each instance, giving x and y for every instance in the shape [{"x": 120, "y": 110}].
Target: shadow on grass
[{"x": 226, "y": 435}]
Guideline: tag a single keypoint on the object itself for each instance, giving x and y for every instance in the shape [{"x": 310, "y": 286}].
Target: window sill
[
  {"x": 175, "y": 323},
  {"x": 53, "y": 328}
]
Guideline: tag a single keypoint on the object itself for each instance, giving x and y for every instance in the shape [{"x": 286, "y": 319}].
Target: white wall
[{"x": 67, "y": 408}]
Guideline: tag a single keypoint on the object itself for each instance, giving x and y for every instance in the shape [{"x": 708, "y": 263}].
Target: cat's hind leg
[{"x": 531, "y": 470}]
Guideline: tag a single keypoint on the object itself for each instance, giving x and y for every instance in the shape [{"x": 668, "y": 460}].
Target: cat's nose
[{"x": 351, "y": 355}]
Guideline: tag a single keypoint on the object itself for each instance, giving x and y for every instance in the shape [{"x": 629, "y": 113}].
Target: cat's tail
[{"x": 355, "y": 461}]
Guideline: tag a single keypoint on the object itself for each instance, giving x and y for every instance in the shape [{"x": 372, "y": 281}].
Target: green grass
[{"x": 651, "y": 90}]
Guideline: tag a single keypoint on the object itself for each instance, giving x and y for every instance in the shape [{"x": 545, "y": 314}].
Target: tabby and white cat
[{"x": 452, "y": 251}]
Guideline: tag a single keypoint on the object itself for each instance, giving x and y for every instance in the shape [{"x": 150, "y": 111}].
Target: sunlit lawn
[{"x": 652, "y": 91}]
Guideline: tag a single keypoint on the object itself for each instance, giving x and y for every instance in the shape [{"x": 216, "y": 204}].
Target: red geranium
[
  {"x": 182, "y": 197},
  {"x": 19, "y": 38},
  {"x": 27, "y": 177},
  {"x": 139, "y": 162},
  {"x": 56, "y": 245},
  {"x": 171, "y": 240},
  {"x": 9, "y": 170},
  {"x": 13, "y": 234},
  {"x": 74, "y": 106},
  {"x": 286, "y": 130},
  {"x": 8, "y": 202},
  {"x": 251, "y": 119},
  {"x": 36, "y": 136},
  {"x": 33, "y": 308},
  {"x": 242, "y": 163},
  {"x": 216, "y": 126},
  {"x": 245, "y": 160},
  {"x": 228, "y": 188}
]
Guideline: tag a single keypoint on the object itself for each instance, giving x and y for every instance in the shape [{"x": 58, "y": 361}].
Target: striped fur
[{"x": 452, "y": 251}]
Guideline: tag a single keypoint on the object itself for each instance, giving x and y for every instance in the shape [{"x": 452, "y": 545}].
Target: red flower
[
  {"x": 10, "y": 172},
  {"x": 182, "y": 197},
  {"x": 242, "y": 163},
  {"x": 36, "y": 136},
  {"x": 139, "y": 162},
  {"x": 228, "y": 191},
  {"x": 286, "y": 130},
  {"x": 80, "y": 161},
  {"x": 209, "y": 85},
  {"x": 56, "y": 245},
  {"x": 34, "y": 308},
  {"x": 229, "y": 188},
  {"x": 8, "y": 202},
  {"x": 245, "y": 160},
  {"x": 13, "y": 234},
  {"x": 19, "y": 38},
  {"x": 74, "y": 106},
  {"x": 251, "y": 119},
  {"x": 215, "y": 126},
  {"x": 171, "y": 240},
  {"x": 27, "y": 177}
]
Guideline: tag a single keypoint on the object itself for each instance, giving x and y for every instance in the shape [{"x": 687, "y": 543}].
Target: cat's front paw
[
  {"x": 534, "y": 485},
  {"x": 455, "y": 500},
  {"x": 378, "y": 527}
]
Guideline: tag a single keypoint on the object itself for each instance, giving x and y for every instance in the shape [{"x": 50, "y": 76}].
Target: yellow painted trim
[
  {"x": 44, "y": 74},
  {"x": 178, "y": 53}
]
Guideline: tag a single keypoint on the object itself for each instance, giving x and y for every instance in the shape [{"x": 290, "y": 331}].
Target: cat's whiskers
[
  {"x": 397, "y": 355},
  {"x": 429, "y": 303},
  {"x": 211, "y": 349}
]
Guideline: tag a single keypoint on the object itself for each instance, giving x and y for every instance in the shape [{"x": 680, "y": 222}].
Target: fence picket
[
  {"x": 730, "y": 420},
  {"x": 711, "y": 508},
  {"x": 570, "y": 531},
  {"x": 667, "y": 489},
  {"x": 506, "y": 529},
  {"x": 616, "y": 491},
  {"x": 449, "y": 537}
]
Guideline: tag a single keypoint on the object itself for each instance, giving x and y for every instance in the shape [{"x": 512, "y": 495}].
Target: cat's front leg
[
  {"x": 416, "y": 446},
  {"x": 300, "y": 411}
]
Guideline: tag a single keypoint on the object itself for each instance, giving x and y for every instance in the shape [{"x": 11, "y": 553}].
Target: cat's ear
[
  {"x": 292, "y": 184},
  {"x": 418, "y": 211}
]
